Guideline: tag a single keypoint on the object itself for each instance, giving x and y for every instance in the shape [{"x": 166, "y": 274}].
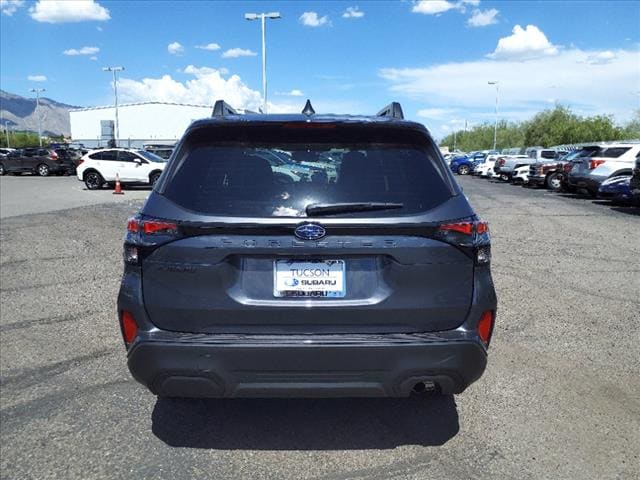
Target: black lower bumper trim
[{"x": 367, "y": 369}]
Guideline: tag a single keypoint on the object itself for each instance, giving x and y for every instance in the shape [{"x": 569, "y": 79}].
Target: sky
[{"x": 435, "y": 57}]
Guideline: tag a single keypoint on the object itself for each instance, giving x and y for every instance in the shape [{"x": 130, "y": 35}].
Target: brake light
[
  {"x": 467, "y": 228},
  {"x": 595, "y": 163},
  {"x": 485, "y": 326},
  {"x": 502, "y": 161},
  {"x": 129, "y": 326},
  {"x": 471, "y": 236},
  {"x": 150, "y": 227},
  {"x": 80, "y": 162},
  {"x": 53, "y": 156},
  {"x": 463, "y": 227}
]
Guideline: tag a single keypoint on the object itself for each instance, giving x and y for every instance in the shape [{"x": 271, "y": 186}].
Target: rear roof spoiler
[
  {"x": 393, "y": 110},
  {"x": 222, "y": 108}
]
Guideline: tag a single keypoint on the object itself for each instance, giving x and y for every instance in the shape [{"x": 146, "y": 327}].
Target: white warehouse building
[{"x": 140, "y": 123}]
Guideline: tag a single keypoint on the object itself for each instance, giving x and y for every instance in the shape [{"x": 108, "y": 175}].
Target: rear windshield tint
[{"x": 279, "y": 179}]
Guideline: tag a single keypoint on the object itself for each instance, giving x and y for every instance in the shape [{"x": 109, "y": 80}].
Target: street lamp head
[
  {"x": 492, "y": 82},
  {"x": 112, "y": 69},
  {"x": 273, "y": 15},
  {"x": 250, "y": 16}
]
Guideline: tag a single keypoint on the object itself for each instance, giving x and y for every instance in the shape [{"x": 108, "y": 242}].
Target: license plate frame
[{"x": 317, "y": 278}]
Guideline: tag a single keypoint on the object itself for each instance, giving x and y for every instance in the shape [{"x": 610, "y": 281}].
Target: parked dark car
[
  {"x": 377, "y": 284},
  {"x": 550, "y": 173},
  {"x": 616, "y": 189},
  {"x": 634, "y": 183},
  {"x": 39, "y": 161}
]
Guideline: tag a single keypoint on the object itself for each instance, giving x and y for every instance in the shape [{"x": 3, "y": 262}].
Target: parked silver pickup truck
[{"x": 505, "y": 167}]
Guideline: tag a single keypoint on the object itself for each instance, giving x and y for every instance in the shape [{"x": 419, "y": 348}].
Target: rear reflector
[
  {"x": 485, "y": 327},
  {"x": 129, "y": 327}
]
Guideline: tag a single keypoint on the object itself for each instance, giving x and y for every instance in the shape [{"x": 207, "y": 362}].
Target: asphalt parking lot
[{"x": 560, "y": 398}]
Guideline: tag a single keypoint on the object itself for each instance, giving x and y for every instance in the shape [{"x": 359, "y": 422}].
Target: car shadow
[
  {"x": 621, "y": 207},
  {"x": 305, "y": 424}
]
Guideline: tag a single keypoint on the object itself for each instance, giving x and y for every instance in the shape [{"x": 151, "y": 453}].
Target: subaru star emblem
[{"x": 310, "y": 231}]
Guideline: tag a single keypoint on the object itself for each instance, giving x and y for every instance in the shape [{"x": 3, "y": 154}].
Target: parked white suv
[{"x": 132, "y": 166}]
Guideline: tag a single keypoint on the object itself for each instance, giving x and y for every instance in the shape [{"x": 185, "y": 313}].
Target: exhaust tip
[{"x": 423, "y": 387}]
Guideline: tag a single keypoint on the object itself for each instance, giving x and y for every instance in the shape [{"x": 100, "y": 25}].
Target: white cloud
[
  {"x": 524, "y": 43},
  {"x": 94, "y": 58},
  {"x": 175, "y": 48},
  {"x": 73, "y": 52},
  {"x": 292, "y": 93},
  {"x": 37, "y": 78},
  {"x": 64, "y": 11},
  {"x": 601, "y": 58},
  {"x": 238, "y": 52},
  {"x": 482, "y": 18},
  {"x": 353, "y": 12},
  {"x": 207, "y": 85},
  {"x": 9, "y": 7},
  {"x": 209, "y": 46},
  {"x": 525, "y": 88},
  {"x": 433, "y": 7},
  {"x": 311, "y": 19}
]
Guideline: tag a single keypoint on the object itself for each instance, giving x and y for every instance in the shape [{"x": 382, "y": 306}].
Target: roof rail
[
  {"x": 393, "y": 110},
  {"x": 222, "y": 108}
]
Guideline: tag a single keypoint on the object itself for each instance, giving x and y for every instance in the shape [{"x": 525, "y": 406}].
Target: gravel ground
[{"x": 560, "y": 398}]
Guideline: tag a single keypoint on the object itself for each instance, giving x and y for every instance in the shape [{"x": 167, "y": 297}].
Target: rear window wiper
[{"x": 317, "y": 209}]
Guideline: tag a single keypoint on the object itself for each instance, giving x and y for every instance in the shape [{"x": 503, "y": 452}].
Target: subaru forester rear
[{"x": 371, "y": 281}]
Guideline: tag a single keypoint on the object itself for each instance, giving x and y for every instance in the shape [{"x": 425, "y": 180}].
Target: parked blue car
[
  {"x": 616, "y": 189},
  {"x": 465, "y": 164}
]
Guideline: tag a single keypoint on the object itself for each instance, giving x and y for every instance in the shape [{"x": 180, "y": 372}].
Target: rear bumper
[
  {"x": 188, "y": 365},
  {"x": 588, "y": 182}
]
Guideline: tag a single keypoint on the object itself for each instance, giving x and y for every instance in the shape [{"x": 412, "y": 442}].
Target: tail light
[
  {"x": 53, "y": 156},
  {"x": 80, "y": 162},
  {"x": 595, "y": 163},
  {"x": 145, "y": 235},
  {"x": 502, "y": 161},
  {"x": 128, "y": 326},
  {"x": 471, "y": 236},
  {"x": 485, "y": 327}
]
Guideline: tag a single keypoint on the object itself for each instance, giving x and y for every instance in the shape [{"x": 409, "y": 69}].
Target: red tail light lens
[
  {"x": 53, "y": 156},
  {"x": 466, "y": 228},
  {"x": 595, "y": 163},
  {"x": 129, "y": 326},
  {"x": 485, "y": 327},
  {"x": 501, "y": 162},
  {"x": 150, "y": 227},
  {"x": 462, "y": 227}
]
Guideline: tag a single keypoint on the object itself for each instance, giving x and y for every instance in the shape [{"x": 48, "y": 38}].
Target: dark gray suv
[{"x": 368, "y": 277}]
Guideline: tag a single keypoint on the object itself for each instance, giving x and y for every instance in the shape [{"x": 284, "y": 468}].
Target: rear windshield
[{"x": 280, "y": 179}]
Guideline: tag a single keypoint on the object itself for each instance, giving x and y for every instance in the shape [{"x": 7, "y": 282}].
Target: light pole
[
  {"x": 38, "y": 91},
  {"x": 495, "y": 127},
  {"x": 115, "y": 71},
  {"x": 263, "y": 18}
]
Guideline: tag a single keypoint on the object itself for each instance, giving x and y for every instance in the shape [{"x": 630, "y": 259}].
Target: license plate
[{"x": 309, "y": 278}]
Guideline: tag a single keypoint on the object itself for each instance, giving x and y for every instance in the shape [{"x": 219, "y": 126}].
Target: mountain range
[{"x": 19, "y": 113}]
